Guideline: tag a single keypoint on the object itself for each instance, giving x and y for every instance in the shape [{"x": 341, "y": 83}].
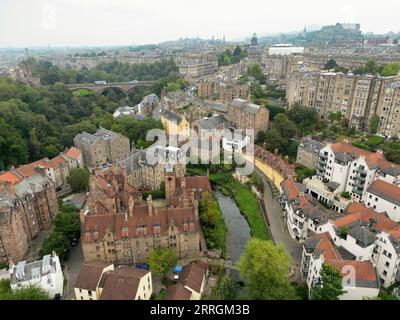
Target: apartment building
[
  {"x": 344, "y": 168},
  {"x": 308, "y": 152},
  {"x": 104, "y": 146},
  {"x": 45, "y": 274},
  {"x": 27, "y": 207},
  {"x": 224, "y": 91},
  {"x": 245, "y": 115},
  {"x": 361, "y": 280},
  {"x": 357, "y": 97},
  {"x": 369, "y": 236}
]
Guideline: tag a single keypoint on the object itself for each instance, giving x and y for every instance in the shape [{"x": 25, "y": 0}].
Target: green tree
[
  {"x": 78, "y": 179},
  {"x": 57, "y": 242},
  {"x": 68, "y": 223},
  {"x": 331, "y": 64},
  {"x": 373, "y": 124},
  {"x": 161, "y": 260},
  {"x": 226, "y": 289},
  {"x": 265, "y": 269},
  {"x": 391, "y": 69},
  {"x": 255, "y": 71},
  {"x": 330, "y": 286},
  {"x": 28, "y": 293}
]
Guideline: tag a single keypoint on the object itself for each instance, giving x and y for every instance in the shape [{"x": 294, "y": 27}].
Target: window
[
  {"x": 90, "y": 293},
  {"x": 387, "y": 264},
  {"x": 385, "y": 273}
]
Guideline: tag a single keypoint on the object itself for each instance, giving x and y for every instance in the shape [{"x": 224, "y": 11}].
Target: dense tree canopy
[
  {"x": 78, "y": 179},
  {"x": 41, "y": 122},
  {"x": 330, "y": 286},
  {"x": 29, "y": 293},
  {"x": 265, "y": 269},
  {"x": 161, "y": 260}
]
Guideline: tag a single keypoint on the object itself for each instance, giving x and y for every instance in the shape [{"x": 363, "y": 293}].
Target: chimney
[
  {"x": 150, "y": 205},
  {"x": 186, "y": 202},
  {"x": 286, "y": 160},
  {"x": 183, "y": 183},
  {"x": 379, "y": 151},
  {"x": 130, "y": 206},
  {"x": 82, "y": 216},
  {"x": 276, "y": 152},
  {"x": 92, "y": 183},
  {"x": 40, "y": 169}
]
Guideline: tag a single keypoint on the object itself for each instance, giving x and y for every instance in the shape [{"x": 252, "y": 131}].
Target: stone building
[
  {"x": 245, "y": 115},
  {"x": 195, "y": 65},
  {"x": 104, "y": 146},
  {"x": 224, "y": 91},
  {"x": 142, "y": 174},
  {"x": 116, "y": 231},
  {"x": 356, "y": 97},
  {"x": 308, "y": 152},
  {"x": 27, "y": 207}
]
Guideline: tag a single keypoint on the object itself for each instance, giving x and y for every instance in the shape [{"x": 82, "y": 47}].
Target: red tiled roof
[
  {"x": 357, "y": 211},
  {"x": 28, "y": 170},
  {"x": 275, "y": 161},
  {"x": 10, "y": 177},
  {"x": 73, "y": 153},
  {"x": 291, "y": 188},
  {"x": 327, "y": 247},
  {"x": 379, "y": 187},
  {"x": 365, "y": 270},
  {"x": 57, "y": 161}
]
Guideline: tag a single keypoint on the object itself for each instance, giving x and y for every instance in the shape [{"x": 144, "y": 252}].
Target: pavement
[{"x": 71, "y": 271}]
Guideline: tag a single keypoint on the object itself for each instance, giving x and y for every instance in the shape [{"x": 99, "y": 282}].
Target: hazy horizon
[{"x": 79, "y": 23}]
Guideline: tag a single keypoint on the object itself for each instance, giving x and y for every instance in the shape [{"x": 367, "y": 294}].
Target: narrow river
[{"x": 238, "y": 228}]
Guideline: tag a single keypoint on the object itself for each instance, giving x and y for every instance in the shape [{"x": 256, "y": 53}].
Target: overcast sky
[{"x": 25, "y": 23}]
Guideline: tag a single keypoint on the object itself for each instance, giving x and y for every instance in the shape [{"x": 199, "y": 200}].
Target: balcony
[
  {"x": 358, "y": 191},
  {"x": 362, "y": 172}
]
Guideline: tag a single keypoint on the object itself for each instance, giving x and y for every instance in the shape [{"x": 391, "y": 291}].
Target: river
[{"x": 238, "y": 229}]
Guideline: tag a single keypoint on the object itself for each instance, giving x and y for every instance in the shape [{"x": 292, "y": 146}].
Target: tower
[{"x": 254, "y": 41}]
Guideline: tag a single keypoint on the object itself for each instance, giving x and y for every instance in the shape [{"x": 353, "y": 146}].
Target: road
[
  {"x": 72, "y": 268},
  {"x": 277, "y": 226}
]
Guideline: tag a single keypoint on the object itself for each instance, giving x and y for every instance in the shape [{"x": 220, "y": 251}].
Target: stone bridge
[{"x": 99, "y": 88}]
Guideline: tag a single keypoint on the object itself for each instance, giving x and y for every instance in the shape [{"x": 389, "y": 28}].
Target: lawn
[
  {"x": 82, "y": 92},
  {"x": 303, "y": 172}
]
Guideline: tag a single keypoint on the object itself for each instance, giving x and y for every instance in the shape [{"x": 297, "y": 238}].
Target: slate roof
[
  {"x": 385, "y": 191},
  {"x": 212, "y": 123}
]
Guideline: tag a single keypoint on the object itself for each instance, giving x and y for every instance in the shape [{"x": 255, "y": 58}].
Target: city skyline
[{"x": 95, "y": 23}]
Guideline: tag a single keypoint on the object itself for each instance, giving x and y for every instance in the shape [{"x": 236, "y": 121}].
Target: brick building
[{"x": 27, "y": 207}]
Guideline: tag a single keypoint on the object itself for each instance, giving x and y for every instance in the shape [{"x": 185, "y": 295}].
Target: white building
[
  {"x": 303, "y": 213},
  {"x": 345, "y": 168},
  {"x": 98, "y": 280},
  {"x": 284, "y": 49},
  {"x": 384, "y": 197},
  {"x": 45, "y": 274},
  {"x": 359, "y": 277},
  {"x": 369, "y": 236}
]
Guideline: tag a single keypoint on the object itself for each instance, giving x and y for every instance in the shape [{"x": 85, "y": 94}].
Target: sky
[{"x": 31, "y": 23}]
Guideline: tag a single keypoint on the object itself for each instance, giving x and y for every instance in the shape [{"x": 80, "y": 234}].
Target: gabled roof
[
  {"x": 385, "y": 191},
  {"x": 73, "y": 153},
  {"x": 10, "y": 177},
  {"x": 121, "y": 283},
  {"x": 28, "y": 170},
  {"x": 177, "y": 292},
  {"x": 364, "y": 271},
  {"x": 192, "y": 275},
  {"x": 171, "y": 116},
  {"x": 90, "y": 274}
]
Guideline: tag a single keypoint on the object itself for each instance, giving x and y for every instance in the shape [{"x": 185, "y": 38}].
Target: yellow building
[{"x": 175, "y": 124}]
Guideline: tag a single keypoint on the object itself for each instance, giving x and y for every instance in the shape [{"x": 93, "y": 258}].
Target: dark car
[
  {"x": 74, "y": 242},
  {"x": 143, "y": 265}
]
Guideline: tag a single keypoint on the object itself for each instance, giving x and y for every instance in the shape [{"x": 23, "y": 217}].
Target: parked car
[
  {"x": 74, "y": 242},
  {"x": 143, "y": 265}
]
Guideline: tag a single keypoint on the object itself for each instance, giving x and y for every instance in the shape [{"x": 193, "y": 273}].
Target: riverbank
[{"x": 244, "y": 198}]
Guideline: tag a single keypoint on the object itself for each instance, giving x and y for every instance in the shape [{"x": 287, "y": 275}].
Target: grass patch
[
  {"x": 82, "y": 92},
  {"x": 303, "y": 172}
]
